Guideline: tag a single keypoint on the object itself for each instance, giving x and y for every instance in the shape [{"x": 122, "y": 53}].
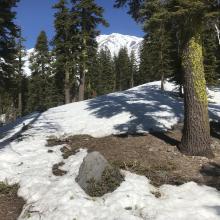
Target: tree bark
[
  {"x": 196, "y": 132},
  {"x": 162, "y": 82},
  {"x": 67, "y": 85},
  {"x": 82, "y": 86},
  {"x": 20, "y": 109},
  {"x": 132, "y": 78},
  {"x": 1, "y": 108},
  {"x": 83, "y": 72}
]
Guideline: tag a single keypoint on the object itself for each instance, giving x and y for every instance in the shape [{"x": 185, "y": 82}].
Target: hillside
[{"x": 26, "y": 160}]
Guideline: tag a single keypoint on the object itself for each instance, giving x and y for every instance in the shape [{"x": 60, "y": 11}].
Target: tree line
[{"x": 69, "y": 68}]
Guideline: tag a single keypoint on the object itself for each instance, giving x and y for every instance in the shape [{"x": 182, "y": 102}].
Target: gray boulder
[{"x": 96, "y": 176}]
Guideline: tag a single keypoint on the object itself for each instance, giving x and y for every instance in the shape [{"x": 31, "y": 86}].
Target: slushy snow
[{"x": 141, "y": 109}]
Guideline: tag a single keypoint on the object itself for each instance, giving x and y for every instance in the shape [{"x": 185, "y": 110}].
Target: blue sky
[{"x": 36, "y": 15}]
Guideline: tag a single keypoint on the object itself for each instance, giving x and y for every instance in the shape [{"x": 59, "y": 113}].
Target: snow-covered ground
[{"x": 50, "y": 197}]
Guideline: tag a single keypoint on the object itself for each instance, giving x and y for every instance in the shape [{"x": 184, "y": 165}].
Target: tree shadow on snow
[
  {"x": 148, "y": 107},
  {"x": 7, "y": 129}
]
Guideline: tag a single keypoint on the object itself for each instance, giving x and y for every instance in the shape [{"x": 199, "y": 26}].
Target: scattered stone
[
  {"x": 96, "y": 176},
  {"x": 20, "y": 164},
  {"x": 128, "y": 208},
  {"x": 57, "y": 171},
  {"x": 157, "y": 194}
]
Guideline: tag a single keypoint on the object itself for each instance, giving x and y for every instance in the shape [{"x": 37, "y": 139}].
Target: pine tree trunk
[
  {"x": 1, "y": 108},
  {"x": 196, "y": 133},
  {"x": 67, "y": 86},
  {"x": 82, "y": 87},
  {"x": 20, "y": 109},
  {"x": 83, "y": 72},
  {"x": 162, "y": 82},
  {"x": 132, "y": 79},
  {"x": 161, "y": 60}
]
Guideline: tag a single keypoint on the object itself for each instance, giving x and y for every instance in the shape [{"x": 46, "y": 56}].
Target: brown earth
[
  {"x": 10, "y": 204},
  {"x": 154, "y": 155}
]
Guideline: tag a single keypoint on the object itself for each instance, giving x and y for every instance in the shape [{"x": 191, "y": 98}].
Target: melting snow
[{"x": 49, "y": 197}]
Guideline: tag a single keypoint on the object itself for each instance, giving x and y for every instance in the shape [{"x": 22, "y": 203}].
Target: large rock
[{"x": 96, "y": 176}]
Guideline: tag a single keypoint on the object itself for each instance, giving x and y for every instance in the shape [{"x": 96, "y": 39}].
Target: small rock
[{"x": 128, "y": 208}]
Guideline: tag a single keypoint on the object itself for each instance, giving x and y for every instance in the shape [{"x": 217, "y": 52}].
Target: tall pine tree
[
  {"x": 106, "y": 73},
  {"x": 123, "y": 70},
  {"x": 20, "y": 76},
  {"x": 88, "y": 16},
  {"x": 8, "y": 34},
  {"x": 41, "y": 84},
  {"x": 65, "y": 45},
  {"x": 190, "y": 16},
  {"x": 211, "y": 56}
]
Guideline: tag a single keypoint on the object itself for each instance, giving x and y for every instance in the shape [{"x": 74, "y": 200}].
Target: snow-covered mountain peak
[{"x": 115, "y": 41}]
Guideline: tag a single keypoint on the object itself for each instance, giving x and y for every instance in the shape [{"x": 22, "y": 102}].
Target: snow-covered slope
[
  {"x": 50, "y": 197},
  {"x": 114, "y": 42}
]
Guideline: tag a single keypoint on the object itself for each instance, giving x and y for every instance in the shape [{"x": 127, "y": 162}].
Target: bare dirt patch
[
  {"x": 153, "y": 155},
  {"x": 57, "y": 171},
  {"x": 10, "y": 204}
]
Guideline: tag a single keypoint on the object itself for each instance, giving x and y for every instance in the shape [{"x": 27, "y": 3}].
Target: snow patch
[{"x": 50, "y": 197}]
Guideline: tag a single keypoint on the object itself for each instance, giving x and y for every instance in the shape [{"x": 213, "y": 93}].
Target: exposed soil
[
  {"x": 153, "y": 155},
  {"x": 10, "y": 204}
]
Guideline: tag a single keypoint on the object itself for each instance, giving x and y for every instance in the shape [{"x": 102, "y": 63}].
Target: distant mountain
[{"x": 114, "y": 42}]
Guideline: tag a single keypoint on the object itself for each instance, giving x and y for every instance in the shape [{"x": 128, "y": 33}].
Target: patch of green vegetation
[{"x": 110, "y": 180}]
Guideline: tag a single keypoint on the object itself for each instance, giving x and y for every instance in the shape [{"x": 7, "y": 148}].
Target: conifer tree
[
  {"x": 190, "y": 16},
  {"x": 145, "y": 72},
  {"x": 100, "y": 75},
  {"x": 88, "y": 16},
  {"x": 133, "y": 69},
  {"x": 41, "y": 84},
  {"x": 211, "y": 61},
  {"x": 65, "y": 44},
  {"x": 123, "y": 70},
  {"x": 106, "y": 70},
  {"x": 19, "y": 80},
  {"x": 8, "y": 34},
  {"x": 156, "y": 56}
]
